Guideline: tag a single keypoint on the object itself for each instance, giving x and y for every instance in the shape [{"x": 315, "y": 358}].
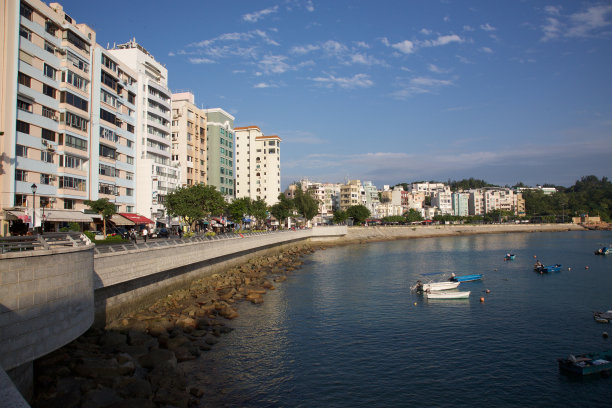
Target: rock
[
  {"x": 138, "y": 338},
  {"x": 99, "y": 368},
  {"x": 196, "y": 391},
  {"x": 134, "y": 388},
  {"x": 176, "y": 342},
  {"x": 157, "y": 329},
  {"x": 133, "y": 403},
  {"x": 255, "y": 298},
  {"x": 111, "y": 339},
  {"x": 183, "y": 354},
  {"x": 158, "y": 357},
  {"x": 100, "y": 398}
]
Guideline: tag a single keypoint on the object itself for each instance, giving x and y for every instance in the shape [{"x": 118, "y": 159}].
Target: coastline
[
  {"x": 389, "y": 233},
  {"x": 140, "y": 359}
]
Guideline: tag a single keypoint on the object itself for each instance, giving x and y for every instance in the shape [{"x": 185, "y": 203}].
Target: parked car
[
  {"x": 120, "y": 231},
  {"x": 160, "y": 232}
]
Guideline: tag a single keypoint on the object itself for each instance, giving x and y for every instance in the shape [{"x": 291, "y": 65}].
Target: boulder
[
  {"x": 157, "y": 358},
  {"x": 100, "y": 398}
]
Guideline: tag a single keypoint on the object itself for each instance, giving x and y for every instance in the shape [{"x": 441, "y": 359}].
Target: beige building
[
  {"x": 188, "y": 139},
  {"x": 257, "y": 165},
  {"x": 350, "y": 194}
]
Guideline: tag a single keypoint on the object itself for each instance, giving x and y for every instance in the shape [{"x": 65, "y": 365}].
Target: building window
[
  {"x": 129, "y": 159},
  {"x": 21, "y": 175},
  {"x": 108, "y": 170},
  {"x": 21, "y": 151},
  {"x": 45, "y": 179},
  {"x": 76, "y": 41},
  {"x": 72, "y": 162},
  {"x": 23, "y": 127},
  {"x": 49, "y": 113},
  {"x": 72, "y": 183},
  {"x": 74, "y": 100},
  {"x": 69, "y": 204},
  {"x": 106, "y": 151},
  {"x": 107, "y": 116},
  {"x": 111, "y": 189},
  {"x": 109, "y": 80},
  {"x": 26, "y": 11},
  {"x": 48, "y": 135},
  {"x": 21, "y": 200},
  {"x": 25, "y": 80},
  {"x": 74, "y": 121},
  {"x": 49, "y": 71},
  {"x": 75, "y": 80},
  {"x": 46, "y": 156},
  {"x": 25, "y": 33},
  {"x": 129, "y": 192},
  {"x": 77, "y": 143},
  {"x": 49, "y": 91},
  {"x": 77, "y": 62},
  {"x": 109, "y": 63},
  {"x": 24, "y": 106}
]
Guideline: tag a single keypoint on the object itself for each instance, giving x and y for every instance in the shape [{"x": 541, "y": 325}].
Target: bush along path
[{"x": 136, "y": 361}]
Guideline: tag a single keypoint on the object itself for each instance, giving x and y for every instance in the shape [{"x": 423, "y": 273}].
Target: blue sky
[{"x": 393, "y": 91}]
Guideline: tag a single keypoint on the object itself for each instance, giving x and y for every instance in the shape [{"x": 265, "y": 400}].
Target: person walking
[
  {"x": 133, "y": 235},
  {"x": 145, "y": 232}
]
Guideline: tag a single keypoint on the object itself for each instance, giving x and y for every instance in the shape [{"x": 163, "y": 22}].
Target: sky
[{"x": 387, "y": 91}]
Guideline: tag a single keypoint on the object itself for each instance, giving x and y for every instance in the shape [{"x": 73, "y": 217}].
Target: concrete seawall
[{"x": 379, "y": 233}]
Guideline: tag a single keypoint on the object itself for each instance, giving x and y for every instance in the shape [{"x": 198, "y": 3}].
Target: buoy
[
  {"x": 569, "y": 269},
  {"x": 535, "y": 256},
  {"x": 488, "y": 291},
  {"x": 586, "y": 267},
  {"x": 415, "y": 303},
  {"x": 482, "y": 299},
  {"x": 605, "y": 335}
]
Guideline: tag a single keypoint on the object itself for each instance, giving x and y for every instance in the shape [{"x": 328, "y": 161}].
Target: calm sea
[{"x": 346, "y": 331}]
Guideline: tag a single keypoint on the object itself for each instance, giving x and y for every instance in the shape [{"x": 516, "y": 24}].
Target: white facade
[
  {"x": 257, "y": 165},
  {"x": 443, "y": 200},
  {"x": 155, "y": 174}
]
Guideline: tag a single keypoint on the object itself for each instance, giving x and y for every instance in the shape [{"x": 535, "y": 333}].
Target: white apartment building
[
  {"x": 426, "y": 187},
  {"x": 155, "y": 174},
  {"x": 443, "y": 200},
  {"x": 257, "y": 165},
  {"x": 350, "y": 194},
  {"x": 371, "y": 198},
  {"x": 188, "y": 139}
]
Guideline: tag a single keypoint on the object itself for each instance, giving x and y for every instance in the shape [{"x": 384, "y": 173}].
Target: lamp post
[{"x": 33, "y": 187}]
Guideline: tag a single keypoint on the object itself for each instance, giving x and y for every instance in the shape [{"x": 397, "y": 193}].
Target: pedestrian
[
  {"x": 145, "y": 232},
  {"x": 180, "y": 232},
  {"x": 133, "y": 235}
]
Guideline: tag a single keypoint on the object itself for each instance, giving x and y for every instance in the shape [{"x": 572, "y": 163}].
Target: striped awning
[{"x": 66, "y": 216}]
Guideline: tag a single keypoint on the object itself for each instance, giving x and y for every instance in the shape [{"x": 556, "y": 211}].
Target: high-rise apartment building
[
  {"x": 113, "y": 128},
  {"x": 220, "y": 151},
  {"x": 188, "y": 139},
  {"x": 350, "y": 194},
  {"x": 155, "y": 174},
  {"x": 45, "y": 94},
  {"x": 257, "y": 165}
]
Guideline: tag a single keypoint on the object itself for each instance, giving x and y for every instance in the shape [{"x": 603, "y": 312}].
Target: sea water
[{"x": 347, "y": 331}]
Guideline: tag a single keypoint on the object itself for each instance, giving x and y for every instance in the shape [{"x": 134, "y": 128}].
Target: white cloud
[
  {"x": 357, "y": 81},
  {"x": 443, "y": 40},
  {"x": 487, "y": 50},
  {"x": 385, "y": 42},
  {"x": 263, "y": 85},
  {"x": 406, "y": 47},
  {"x": 581, "y": 24},
  {"x": 362, "y": 44},
  {"x": 201, "y": 61},
  {"x": 436, "y": 69},
  {"x": 420, "y": 85},
  {"x": 309, "y": 6},
  {"x": 425, "y": 31},
  {"x": 258, "y": 15},
  {"x": 468, "y": 28},
  {"x": 304, "y": 49},
  {"x": 274, "y": 64},
  {"x": 334, "y": 47},
  {"x": 487, "y": 27}
]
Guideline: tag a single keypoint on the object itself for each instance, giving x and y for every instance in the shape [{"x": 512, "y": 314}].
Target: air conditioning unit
[{"x": 44, "y": 142}]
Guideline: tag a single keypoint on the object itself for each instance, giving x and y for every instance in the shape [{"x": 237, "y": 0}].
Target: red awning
[{"x": 137, "y": 218}]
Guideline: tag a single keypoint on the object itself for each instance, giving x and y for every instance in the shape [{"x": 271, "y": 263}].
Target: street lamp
[{"x": 34, "y": 187}]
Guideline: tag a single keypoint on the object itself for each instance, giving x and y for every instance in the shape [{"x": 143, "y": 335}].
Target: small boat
[
  {"x": 603, "y": 317},
  {"x": 547, "y": 268},
  {"x": 466, "y": 278},
  {"x": 447, "y": 295},
  {"x": 509, "y": 257},
  {"x": 586, "y": 364},
  {"x": 435, "y": 286},
  {"x": 604, "y": 251}
]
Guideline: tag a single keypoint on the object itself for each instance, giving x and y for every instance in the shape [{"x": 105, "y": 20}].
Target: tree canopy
[
  {"x": 305, "y": 204},
  {"x": 340, "y": 216},
  {"x": 283, "y": 209},
  {"x": 103, "y": 207},
  {"x": 413, "y": 215},
  {"x": 195, "y": 202},
  {"x": 359, "y": 213}
]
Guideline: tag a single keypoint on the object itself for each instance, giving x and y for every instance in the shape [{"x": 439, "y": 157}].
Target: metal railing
[
  {"x": 169, "y": 242},
  {"x": 43, "y": 242}
]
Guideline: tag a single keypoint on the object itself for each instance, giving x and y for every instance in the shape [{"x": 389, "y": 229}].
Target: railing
[
  {"x": 42, "y": 242},
  {"x": 168, "y": 242}
]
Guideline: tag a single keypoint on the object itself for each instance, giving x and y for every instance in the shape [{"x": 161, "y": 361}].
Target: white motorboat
[
  {"x": 447, "y": 295},
  {"x": 437, "y": 286}
]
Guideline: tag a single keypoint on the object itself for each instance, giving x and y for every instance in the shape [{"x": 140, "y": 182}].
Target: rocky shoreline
[{"x": 136, "y": 361}]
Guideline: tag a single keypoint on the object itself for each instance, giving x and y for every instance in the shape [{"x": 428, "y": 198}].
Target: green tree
[
  {"x": 305, "y": 204},
  {"x": 394, "y": 219},
  {"x": 359, "y": 213},
  {"x": 413, "y": 216},
  {"x": 195, "y": 202},
  {"x": 103, "y": 207},
  {"x": 340, "y": 216},
  {"x": 239, "y": 208},
  {"x": 258, "y": 209},
  {"x": 283, "y": 209}
]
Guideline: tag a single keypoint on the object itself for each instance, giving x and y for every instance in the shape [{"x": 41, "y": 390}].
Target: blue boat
[
  {"x": 586, "y": 364},
  {"x": 547, "y": 268},
  {"x": 604, "y": 251},
  {"x": 466, "y": 278}
]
